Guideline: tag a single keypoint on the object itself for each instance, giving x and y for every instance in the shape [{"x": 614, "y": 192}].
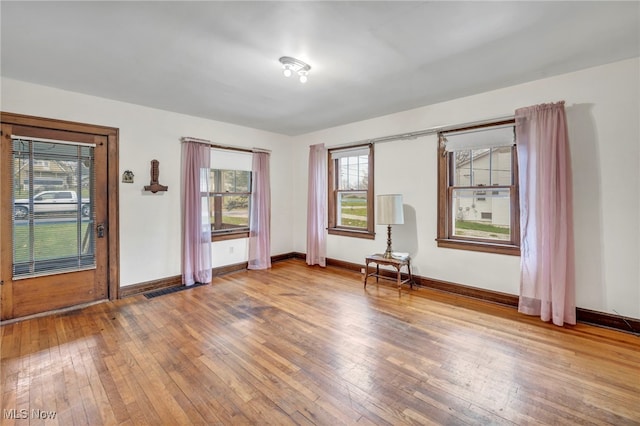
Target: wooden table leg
[
  {"x": 410, "y": 275},
  {"x": 399, "y": 282},
  {"x": 366, "y": 273}
]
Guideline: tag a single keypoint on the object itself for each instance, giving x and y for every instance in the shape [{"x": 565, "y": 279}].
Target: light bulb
[
  {"x": 287, "y": 71},
  {"x": 303, "y": 77}
]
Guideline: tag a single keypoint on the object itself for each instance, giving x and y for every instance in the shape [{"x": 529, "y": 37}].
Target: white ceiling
[{"x": 219, "y": 60}]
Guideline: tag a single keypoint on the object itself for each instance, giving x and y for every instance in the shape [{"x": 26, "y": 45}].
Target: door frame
[{"x": 6, "y": 208}]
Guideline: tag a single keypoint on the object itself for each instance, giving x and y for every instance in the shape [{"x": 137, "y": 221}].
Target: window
[
  {"x": 229, "y": 194},
  {"x": 64, "y": 195},
  {"x": 229, "y": 197},
  {"x": 470, "y": 217},
  {"x": 351, "y": 192}
]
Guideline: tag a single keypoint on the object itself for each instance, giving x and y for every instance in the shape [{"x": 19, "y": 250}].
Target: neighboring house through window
[
  {"x": 351, "y": 191},
  {"x": 478, "y": 189},
  {"x": 229, "y": 194}
]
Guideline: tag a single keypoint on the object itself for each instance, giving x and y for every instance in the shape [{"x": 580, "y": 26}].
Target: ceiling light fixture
[{"x": 291, "y": 65}]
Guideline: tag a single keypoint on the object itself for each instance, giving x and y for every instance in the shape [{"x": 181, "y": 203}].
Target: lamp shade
[{"x": 389, "y": 209}]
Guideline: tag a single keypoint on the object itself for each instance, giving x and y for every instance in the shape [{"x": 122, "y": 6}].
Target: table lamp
[{"x": 389, "y": 212}]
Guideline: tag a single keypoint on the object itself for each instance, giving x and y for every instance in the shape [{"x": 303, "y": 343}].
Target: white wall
[
  {"x": 150, "y": 224},
  {"x": 603, "y": 115},
  {"x": 603, "y": 112}
]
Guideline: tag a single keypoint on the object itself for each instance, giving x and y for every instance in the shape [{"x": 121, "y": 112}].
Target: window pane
[
  {"x": 482, "y": 214},
  {"x": 213, "y": 184},
  {"x": 212, "y": 210},
  {"x": 354, "y": 173},
  {"x": 343, "y": 167},
  {"x": 352, "y": 209},
  {"x": 235, "y": 210},
  {"x": 462, "y": 168},
  {"x": 228, "y": 181},
  {"x": 234, "y": 213},
  {"x": 243, "y": 181},
  {"x": 501, "y": 166},
  {"x": 481, "y": 167}
]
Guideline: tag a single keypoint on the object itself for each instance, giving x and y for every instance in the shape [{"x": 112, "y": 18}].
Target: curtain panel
[
  {"x": 196, "y": 227},
  {"x": 317, "y": 206},
  {"x": 547, "y": 279},
  {"x": 260, "y": 217}
]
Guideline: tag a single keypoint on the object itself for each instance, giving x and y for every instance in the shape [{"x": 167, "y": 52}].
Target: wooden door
[{"x": 55, "y": 218}]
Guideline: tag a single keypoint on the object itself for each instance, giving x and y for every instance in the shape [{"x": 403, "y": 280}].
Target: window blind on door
[{"x": 53, "y": 220}]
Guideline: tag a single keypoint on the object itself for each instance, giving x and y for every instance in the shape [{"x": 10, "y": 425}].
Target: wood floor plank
[{"x": 308, "y": 346}]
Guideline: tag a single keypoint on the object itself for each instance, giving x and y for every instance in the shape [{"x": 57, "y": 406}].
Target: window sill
[
  {"x": 229, "y": 236},
  {"x": 352, "y": 233},
  {"x": 481, "y": 246}
]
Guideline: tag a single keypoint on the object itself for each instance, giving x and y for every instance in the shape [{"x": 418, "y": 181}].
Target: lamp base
[{"x": 388, "y": 251}]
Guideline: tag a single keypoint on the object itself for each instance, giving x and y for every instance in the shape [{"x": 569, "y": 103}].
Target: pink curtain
[
  {"x": 196, "y": 227},
  {"x": 547, "y": 278},
  {"x": 317, "y": 206},
  {"x": 260, "y": 221}
]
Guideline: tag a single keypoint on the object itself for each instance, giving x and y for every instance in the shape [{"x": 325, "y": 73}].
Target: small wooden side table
[{"x": 379, "y": 259}]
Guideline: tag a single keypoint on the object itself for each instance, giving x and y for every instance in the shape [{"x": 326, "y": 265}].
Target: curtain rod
[
  {"x": 425, "y": 132},
  {"x": 219, "y": 146}
]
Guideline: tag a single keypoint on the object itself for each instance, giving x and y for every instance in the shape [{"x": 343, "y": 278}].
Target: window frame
[
  {"x": 217, "y": 196},
  {"x": 333, "y": 179},
  {"x": 445, "y": 237}
]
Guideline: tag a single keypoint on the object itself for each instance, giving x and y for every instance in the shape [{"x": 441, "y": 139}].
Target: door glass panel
[{"x": 52, "y": 194}]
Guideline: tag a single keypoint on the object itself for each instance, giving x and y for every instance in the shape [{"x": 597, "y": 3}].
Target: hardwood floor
[{"x": 302, "y": 345}]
